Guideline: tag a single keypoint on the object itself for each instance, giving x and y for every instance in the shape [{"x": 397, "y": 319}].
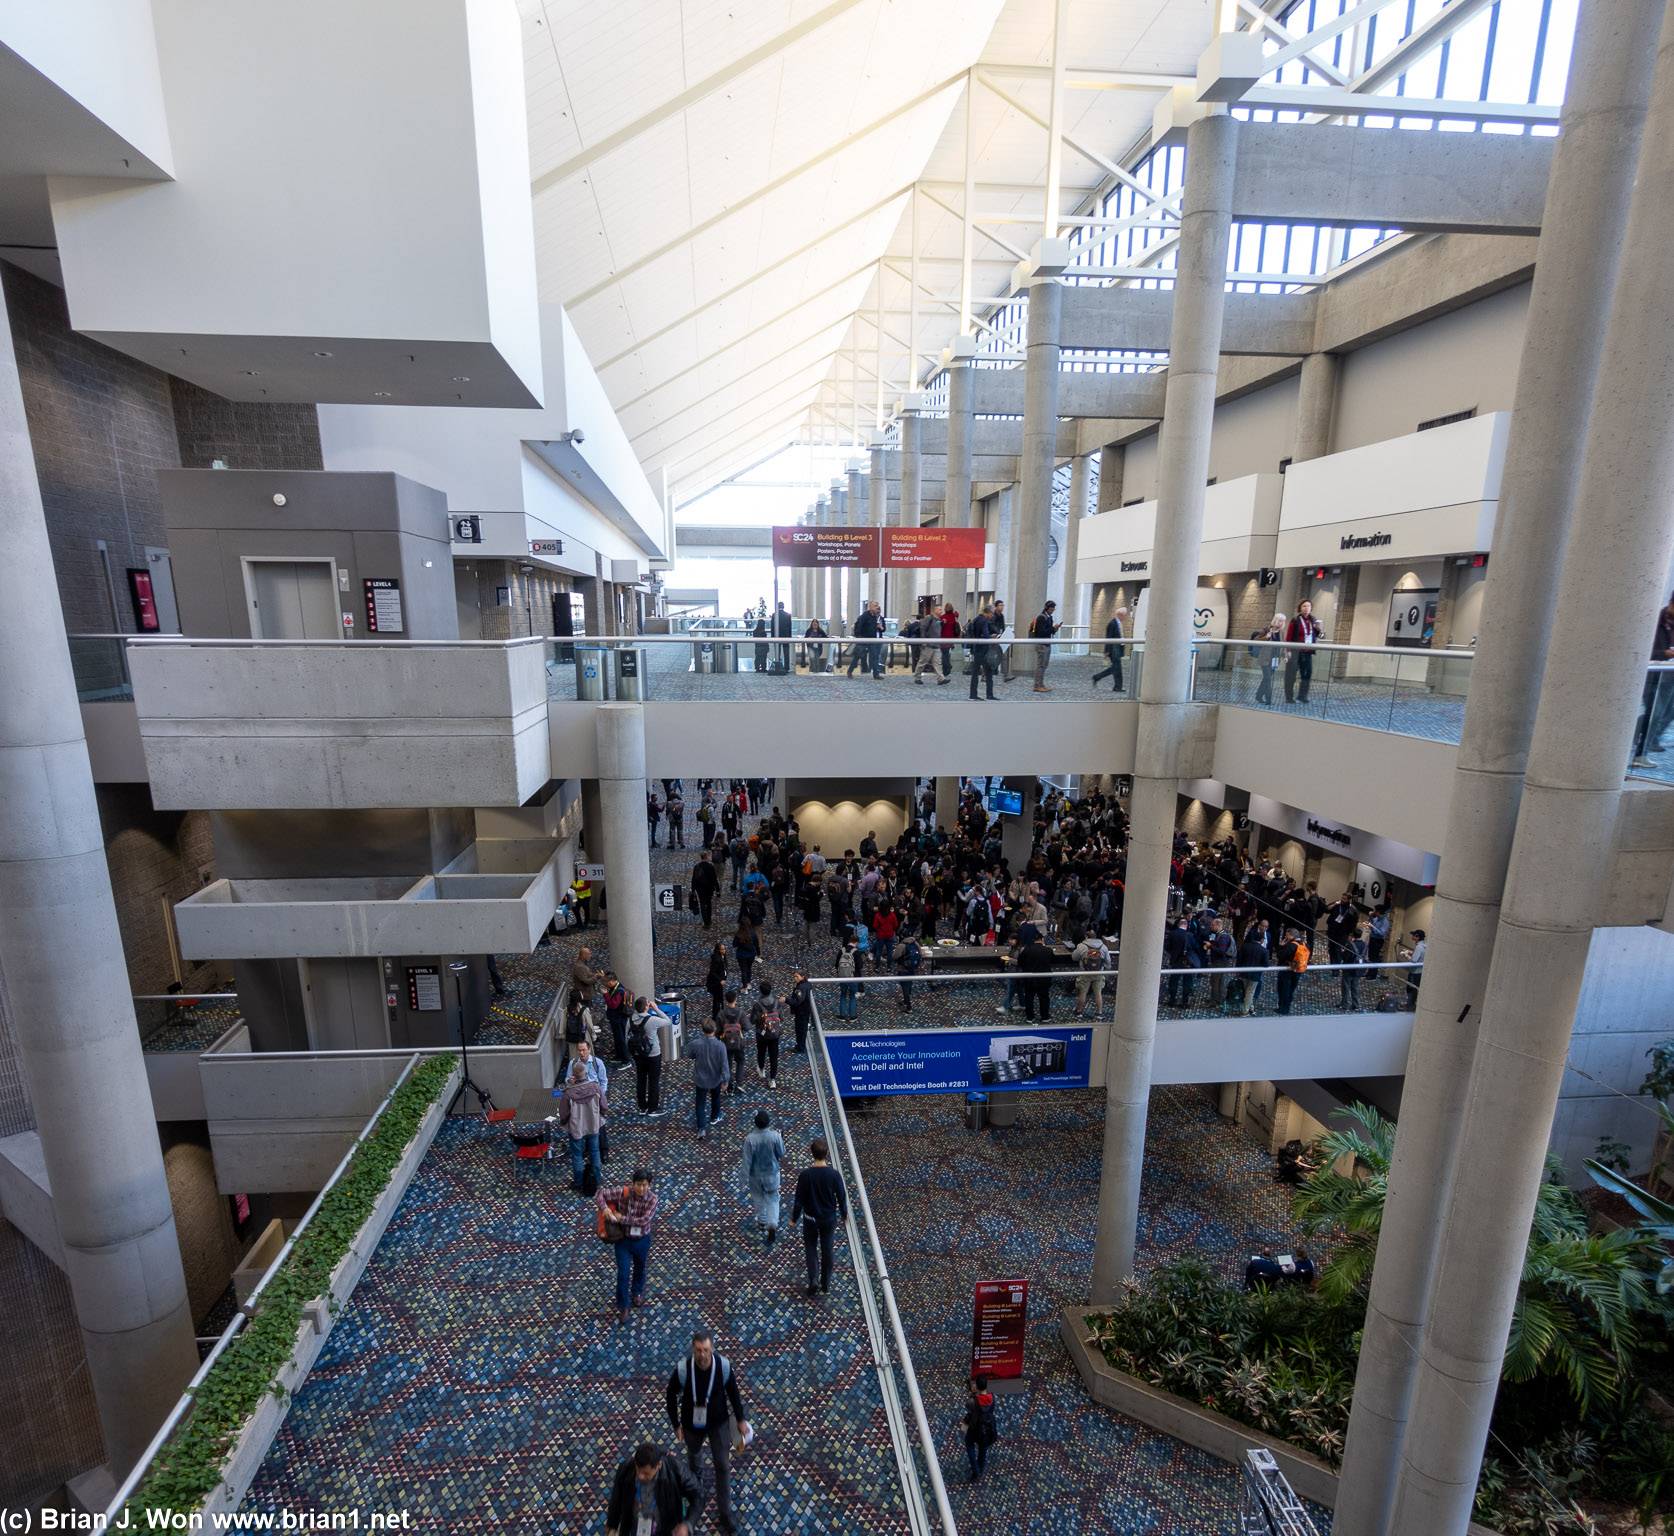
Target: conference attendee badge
[
  {"x": 646, "y": 1527},
  {"x": 700, "y": 1417},
  {"x": 635, "y": 1231}
]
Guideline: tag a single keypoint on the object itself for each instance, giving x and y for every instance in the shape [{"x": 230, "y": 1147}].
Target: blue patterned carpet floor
[{"x": 480, "y": 1380}]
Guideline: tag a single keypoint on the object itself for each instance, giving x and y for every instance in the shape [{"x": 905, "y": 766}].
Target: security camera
[{"x": 577, "y": 436}]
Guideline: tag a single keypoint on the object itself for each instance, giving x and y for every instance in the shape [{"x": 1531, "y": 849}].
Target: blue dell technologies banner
[{"x": 959, "y": 1060}]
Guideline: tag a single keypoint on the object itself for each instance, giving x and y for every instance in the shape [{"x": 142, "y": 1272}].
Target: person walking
[
  {"x": 760, "y": 633},
  {"x": 653, "y": 814},
  {"x": 929, "y": 655},
  {"x": 581, "y": 893},
  {"x": 1293, "y": 956},
  {"x": 715, "y": 981},
  {"x": 1113, "y": 651},
  {"x": 652, "y": 1495},
  {"x": 1302, "y": 634},
  {"x": 675, "y": 809},
  {"x": 782, "y": 631},
  {"x": 703, "y": 1404},
  {"x": 981, "y": 1429},
  {"x": 982, "y": 666},
  {"x": 865, "y": 651},
  {"x": 848, "y": 991},
  {"x": 578, "y": 1031},
  {"x": 1252, "y": 957},
  {"x": 1037, "y": 989},
  {"x": 646, "y": 1045},
  {"x": 729, "y": 1028},
  {"x": 706, "y": 884},
  {"x": 909, "y": 958},
  {"x": 1415, "y": 977},
  {"x": 764, "y": 1021},
  {"x": 820, "y": 1203},
  {"x": 581, "y": 1112},
  {"x": 764, "y": 1151},
  {"x": 711, "y": 1071},
  {"x": 802, "y": 1010},
  {"x": 950, "y": 633},
  {"x": 1044, "y": 627},
  {"x": 746, "y": 947},
  {"x": 1267, "y": 657},
  {"x": 630, "y": 1214}
]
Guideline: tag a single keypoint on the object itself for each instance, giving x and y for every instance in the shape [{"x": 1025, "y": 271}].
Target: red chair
[{"x": 496, "y": 1116}]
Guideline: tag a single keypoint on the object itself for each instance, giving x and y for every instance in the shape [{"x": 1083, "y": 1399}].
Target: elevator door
[{"x": 293, "y": 600}]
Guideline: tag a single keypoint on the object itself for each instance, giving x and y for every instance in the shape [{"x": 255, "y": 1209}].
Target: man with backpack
[
  {"x": 703, "y": 1404},
  {"x": 730, "y": 1029},
  {"x": 1043, "y": 628},
  {"x": 764, "y": 1018},
  {"x": 908, "y": 958},
  {"x": 706, "y": 884},
  {"x": 928, "y": 655},
  {"x": 1293, "y": 956},
  {"x": 1091, "y": 959},
  {"x": 981, "y": 1428},
  {"x": 646, "y": 1047}
]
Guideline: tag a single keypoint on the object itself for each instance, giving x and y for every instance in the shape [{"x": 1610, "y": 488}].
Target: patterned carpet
[
  {"x": 480, "y": 1380},
  {"x": 953, "y": 1207}
]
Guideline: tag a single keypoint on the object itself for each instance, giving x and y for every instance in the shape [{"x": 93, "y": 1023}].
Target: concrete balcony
[
  {"x": 496, "y": 897},
  {"x": 296, "y": 725}
]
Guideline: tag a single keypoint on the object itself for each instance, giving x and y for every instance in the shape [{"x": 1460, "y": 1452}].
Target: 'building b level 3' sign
[{"x": 942, "y": 548}]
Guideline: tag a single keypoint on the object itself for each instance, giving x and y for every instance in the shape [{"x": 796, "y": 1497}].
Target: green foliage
[
  {"x": 1349, "y": 1205},
  {"x": 1659, "y": 1081},
  {"x": 1612, "y": 1153},
  {"x": 1658, "y": 1215},
  {"x": 189, "y": 1464},
  {"x": 1281, "y": 1361}
]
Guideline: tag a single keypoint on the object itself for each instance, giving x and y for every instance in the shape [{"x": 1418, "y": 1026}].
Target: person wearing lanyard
[
  {"x": 634, "y": 1205},
  {"x": 652, "y": 1496},
  {"x": 703, "y": 1401}
]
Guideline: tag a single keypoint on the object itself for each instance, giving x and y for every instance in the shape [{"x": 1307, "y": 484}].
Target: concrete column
[
  {"x": 860, "y": 516},
  {"x": 961, "y": 440},
  {"x": 627, "y": 847},
  {"x": 1587, "y": 199},
  {"x": 947, "y": 801},
  {"x": 877, "y": 497},
  {"x": 1113, "y": 462},
  {"x": 1316, "y": 404},
  {"x": 78, "y": 1045},
  {"x": 1165, "y": 715},
  {"x": 1005, "y": 549},
  {"x": 1078, "y": 595},
  {"x": 1620, "y": 544},
  {"x": 912, "y": 511},
  {"x": 1033, "y": 513},
  {"x": 822, "y": 577}
]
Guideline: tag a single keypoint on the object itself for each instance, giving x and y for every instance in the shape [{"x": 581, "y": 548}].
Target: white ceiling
[{"x": 716, "y": 182}]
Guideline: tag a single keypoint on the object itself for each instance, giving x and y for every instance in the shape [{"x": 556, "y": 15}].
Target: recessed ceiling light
[
  {"x": 248, "y": 373},
  {"x": 382, "y": 394},
  {"x": 461, "y": 378},
  {"x": 322, "y": 354}
]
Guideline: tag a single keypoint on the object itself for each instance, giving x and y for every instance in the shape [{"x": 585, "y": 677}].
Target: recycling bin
[{"x": 589, "y": 672}]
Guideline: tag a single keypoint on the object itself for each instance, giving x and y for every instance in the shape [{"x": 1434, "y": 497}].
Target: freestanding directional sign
[{"x": 999, "y": 1322}]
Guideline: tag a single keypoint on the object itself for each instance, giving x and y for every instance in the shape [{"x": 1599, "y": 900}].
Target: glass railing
[
  {"x": 973, "y": 998},
  {"x": 100, "y": 663},
  {"x": 1412, "y": 692},
  {"x": 711, "y": 661}
]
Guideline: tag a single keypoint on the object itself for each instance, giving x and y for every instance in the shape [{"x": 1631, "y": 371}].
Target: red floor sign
[{"x": 1000, "y": 1317}]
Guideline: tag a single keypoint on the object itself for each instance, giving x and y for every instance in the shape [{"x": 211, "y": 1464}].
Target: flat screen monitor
[{"x": 1005, "y": 802}]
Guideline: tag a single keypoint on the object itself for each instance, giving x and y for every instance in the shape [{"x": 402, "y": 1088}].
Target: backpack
[
  {"x": 770, "y": 1025},
  {"x": 755, "y": 908},
  {"x": 1299, "y": 961},
  {"x": 911, "y": 956},
  {"x": 1235, "y": 990},
  {"x": 732, "y": 1028},
  {"x": 845, "y": 963},
  {"x": 685, "y": 1365},
  {"x": 575, "y": 1026},
  {"x": 589, "y": 1181},
  {"x": 987, "y": 1430}
]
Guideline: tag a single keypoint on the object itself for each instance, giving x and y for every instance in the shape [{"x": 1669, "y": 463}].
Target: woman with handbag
[{"x": 715, "y": 983}]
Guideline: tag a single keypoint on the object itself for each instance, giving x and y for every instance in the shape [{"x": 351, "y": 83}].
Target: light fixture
[
  {"x": 278, "y": 499},
  {"x": 322, "y": 354},
  {"x": 248, "y": 373},
  {"x": 381, "y": 394},
  {"x": 462, "y": 378}
]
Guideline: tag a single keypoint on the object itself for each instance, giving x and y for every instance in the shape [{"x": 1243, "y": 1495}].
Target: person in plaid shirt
[{"x": 634, "y": 1204}]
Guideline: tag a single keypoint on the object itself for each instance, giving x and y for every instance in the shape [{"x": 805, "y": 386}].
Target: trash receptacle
[
  {"x": 1002, "y": 1110},
  {"x": 976, "y": 1111},
  {"x": 630, "y": 674},
  {"x": 702, "y": 658},
  {"x": 725, "y": 656},
  {"x": 672, "y": 1034},
  {"x": 589, "y": 672}
]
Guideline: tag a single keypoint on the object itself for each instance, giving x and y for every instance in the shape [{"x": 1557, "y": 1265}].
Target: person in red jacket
[
  {"x": 950, "y": 632},
  {"x": 1302, "y": 634}
]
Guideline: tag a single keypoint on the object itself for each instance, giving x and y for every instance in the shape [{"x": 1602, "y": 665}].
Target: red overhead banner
[
  {"x": 999, "y": 1321},
  {"x": 941, "y": 548}
]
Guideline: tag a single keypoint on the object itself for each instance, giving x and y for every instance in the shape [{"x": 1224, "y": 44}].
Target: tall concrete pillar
[
  {"x": 1113, "y": 463},
  {"x": 822, "y": 577},
  {"x": 912, "y": 511},
  {"x": 79, "y": 1046},
  {"x": 877, "y": 499},
  {"x": 1166, "y": 715},
  {"x": 860, "y": 516},
  {"x": 1587, "y": 202},
  {"x": 627, "y": 848},
  {"x": 947, "y": 800},
  {"x": 1005, "y": 548},
  {"x": 1620, "y": 543},
  {"x": 961, "y": 442},
  {"x": 1033, "y": 513},
  {"x": 1316, "y": 405},
  {"x": 592, "y": 823},
  {"x": 1078, "y": 595}
]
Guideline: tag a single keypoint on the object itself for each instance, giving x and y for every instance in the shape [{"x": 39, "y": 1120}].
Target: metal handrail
[
  {"x": 113, "y": 1510},
  {"x": 925, "y": 978},
  {"x": 375, "y": 643},
  {"x": 918, "y": 1516},
  {"x": 1331, "y": 645},
  {"x": 926, "y": 1439}
]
